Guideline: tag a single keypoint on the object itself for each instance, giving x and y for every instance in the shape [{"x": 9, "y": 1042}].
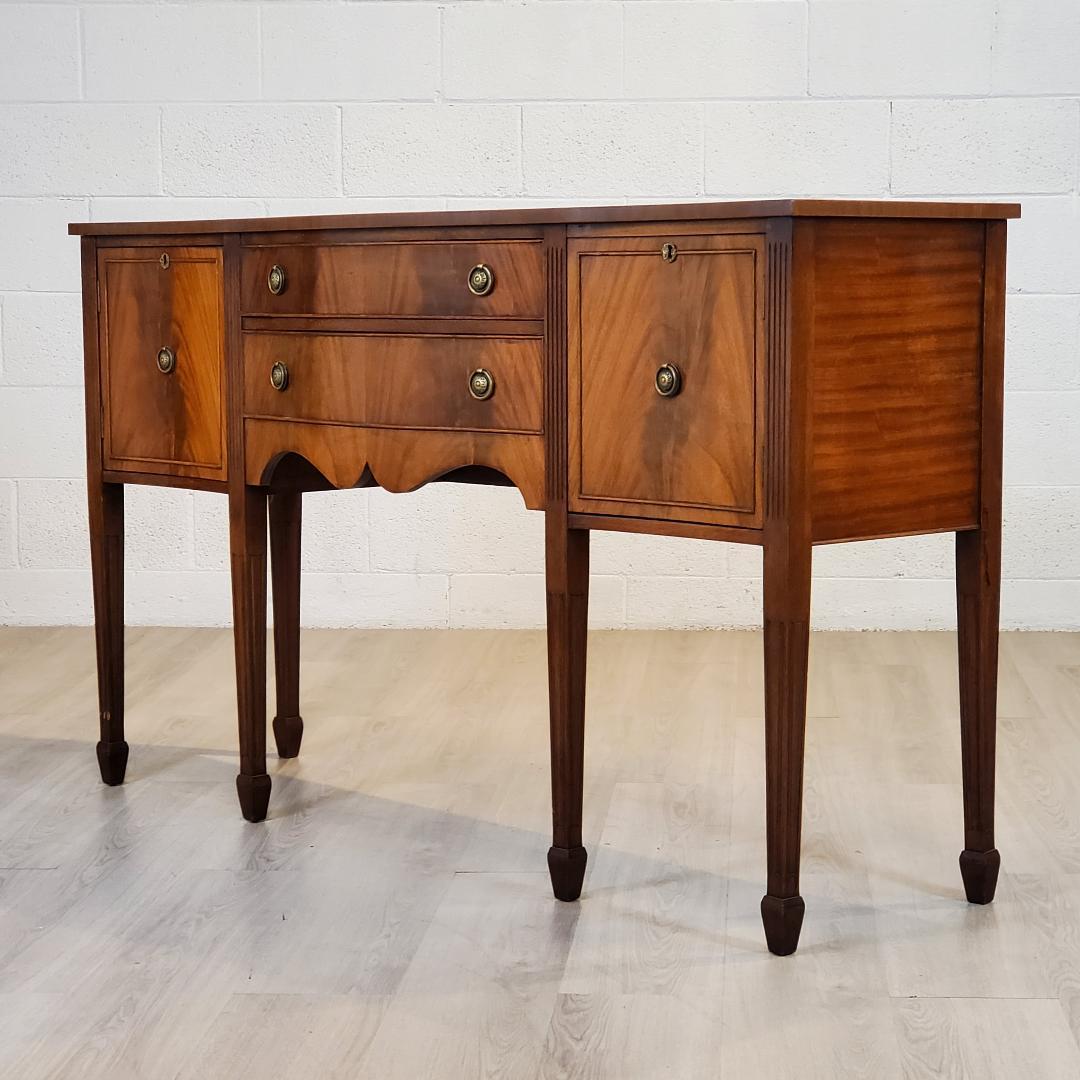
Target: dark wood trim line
[
  {"x": 196, "y": 483},
  {"x": 696, "y": 530}
]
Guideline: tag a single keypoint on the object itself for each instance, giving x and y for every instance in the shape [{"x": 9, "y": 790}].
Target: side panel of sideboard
[{"x": 892, "y": 332}]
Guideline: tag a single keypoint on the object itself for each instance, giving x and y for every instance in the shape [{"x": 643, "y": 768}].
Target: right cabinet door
[{"x": 665, "y": 395}]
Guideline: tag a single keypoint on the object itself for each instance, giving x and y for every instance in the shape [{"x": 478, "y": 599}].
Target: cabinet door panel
[
  {"x": 691, "y": 456},
  {"x": 159, "y": 419}
]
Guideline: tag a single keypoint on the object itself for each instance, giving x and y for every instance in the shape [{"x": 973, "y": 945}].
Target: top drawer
[{"x": 422, "y": 278}]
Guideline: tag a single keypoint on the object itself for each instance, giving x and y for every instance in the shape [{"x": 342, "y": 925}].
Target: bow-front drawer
[
  {"x": 398, "y": 381},
  {"x": 422, "y": 279}
]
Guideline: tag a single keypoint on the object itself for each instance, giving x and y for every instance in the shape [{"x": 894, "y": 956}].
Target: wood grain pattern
[
  {"x": 894, "y": 343},
  {"x": 395, "y": 459},
  {"x": 158, "y": 422},
  {"x": 690, "y": 457},
  {"x": 655, "y": 527},
  {"x": 192, "y": 483},
  {"x": 351, "y": 324},
  {"x": 398, "y": 380},
  {"x": 556, "y": 215},
  {"x": 407, "y": 279}
]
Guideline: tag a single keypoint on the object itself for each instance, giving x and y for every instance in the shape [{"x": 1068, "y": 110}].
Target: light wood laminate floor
[{"x": 393, "y": 918}]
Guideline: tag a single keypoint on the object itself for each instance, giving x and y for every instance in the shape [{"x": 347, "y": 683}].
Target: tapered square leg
[
  {"x": 787, "y": 641},
  {"x": 567, "y": 559},
  {"x": 978, "y": 591},
  {"x": 107, "y": 564},
  {"x": 285, "y": 527},
  {"x": 247, "y": 531},
  {"x": 978, "y": 569}
]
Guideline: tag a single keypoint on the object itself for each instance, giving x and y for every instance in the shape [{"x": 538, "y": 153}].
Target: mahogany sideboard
[{"x": 782, "y": 373}]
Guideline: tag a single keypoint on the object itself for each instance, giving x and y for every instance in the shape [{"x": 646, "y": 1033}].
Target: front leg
[
  {"x": 247, "y": 532},
  {"x": 567, "y": 559},
  {"x": 285, "y": 578},
  {"x": 107, "y": 563},
  {"x": 787, "y": 642}
]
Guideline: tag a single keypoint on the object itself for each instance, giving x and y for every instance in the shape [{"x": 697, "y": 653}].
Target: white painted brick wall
[
  {"x": 511, "y": 51},
  {"x": 250, "y": 149},
  {"x": 9, "y": 557},
  {"x": 637, "y": 150},
  {"x": 70, "y": 149},
  {"x": 195, "y": 108},
  {"x": 361, "y": 52},
  {"x": 986, "y": 145},
  {"x": 920, "y": 48},
  {"x": 162, "y": 52},
  {"x": 711, "y": 50},
  {"x": 35, "y": 252},
  {"x": 39, "y": 53},
  {"x": 1035, "y": 50},
  {"x": 1044, "y": 247},
  {"x": 431, "y": 149},
  {"x": 52, "y": 531},
  {"x": 813, "y": 147},
  {"x": 41, "y": 339}
]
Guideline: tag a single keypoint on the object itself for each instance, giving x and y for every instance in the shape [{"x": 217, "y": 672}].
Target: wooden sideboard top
[{"x": 564, "y": 215}]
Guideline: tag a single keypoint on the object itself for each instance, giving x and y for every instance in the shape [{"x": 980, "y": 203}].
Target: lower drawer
[{"x": 378, "y": 380}]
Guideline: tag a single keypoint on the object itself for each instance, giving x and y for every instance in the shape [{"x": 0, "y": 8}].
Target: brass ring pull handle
[
  {"x": 481, "y": 279},
  {"x": 166, "y": 360},
  {"x": 279, "y": 376},
  {"x": 481, "y": 384},
  {"x": 276, "y": 280},
  {"x": 668, "y": 380}
]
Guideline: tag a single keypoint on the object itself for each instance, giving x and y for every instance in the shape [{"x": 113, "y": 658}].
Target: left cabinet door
[{"x": 162, "y": 341}]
